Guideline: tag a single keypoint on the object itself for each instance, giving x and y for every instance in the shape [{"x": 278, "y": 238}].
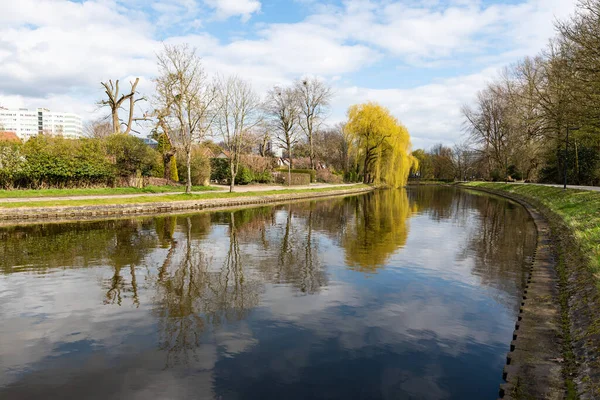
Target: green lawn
[
  {"x": 165, "y": 198},
  {"x": 579, "y": 209},
  {"x": 4, "y": 194}
]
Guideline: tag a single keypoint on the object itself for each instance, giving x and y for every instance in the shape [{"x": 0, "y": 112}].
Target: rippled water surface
[{"x": 393, "y": 294}]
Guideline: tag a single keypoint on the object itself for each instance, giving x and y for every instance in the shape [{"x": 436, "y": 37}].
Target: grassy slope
[
  {"x": 165, "y": 198},
  {"x": 579, "y": 209},
  {"x": 4, "y": 194}
]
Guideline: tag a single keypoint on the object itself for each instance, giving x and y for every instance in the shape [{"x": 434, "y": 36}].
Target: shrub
[
  {"x": 496, "y": 175},
  {"x": 60, "y": 162},
  {"x": 310, "y": 172},
  {"x": 297, "y": 178},
  {"x": 326, "y": 176},
  {"x": 200, "y": 167},
  {"x": 351, "y": 177},
  {"x": 244, "y": 175},
  {"x": 131, "y": 154},
  {"x": 514, "y": 173},
  {"x": 174, "y": 172},
  {"x": 258, "y": 164},
  {"x": 263, "y": 177},
  {"x": 219, "y": 169},
  {"x": 12, "y": 164}
]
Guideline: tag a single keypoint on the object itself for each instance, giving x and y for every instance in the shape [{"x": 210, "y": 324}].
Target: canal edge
[
  {"x": 108, "y": 211},
  {"x": 535, "y": 364}
]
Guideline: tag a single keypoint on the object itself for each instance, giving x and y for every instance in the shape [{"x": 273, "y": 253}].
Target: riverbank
[
  {"x": 84, "y": 208},
  {"x": 573, "y": 218},
  {"x": 87, "y": 192}
]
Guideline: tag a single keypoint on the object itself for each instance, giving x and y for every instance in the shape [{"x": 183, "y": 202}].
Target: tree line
[
  {"x": 194, "y": 117},
  {"x": 190, "y": 108},
  {"x": 539, "y": 119}
]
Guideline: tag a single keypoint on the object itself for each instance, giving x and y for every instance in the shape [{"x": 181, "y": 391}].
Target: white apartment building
[{"x": 27, "y": 123}]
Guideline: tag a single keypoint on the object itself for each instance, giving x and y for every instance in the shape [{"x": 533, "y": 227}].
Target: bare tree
[
  {"x": 99, "y": 128},
  {"x": 262, "y": 135},
  {"x": 489, "y": 126},
  {"x": 115, "y": 103},
  {"x": 187, "y": 98},
  {"x": 283, "y": 110},
  {"x": 314, "y": 97},
  {"x": 238, "y": 111},
  {"x": 332, "y": 147}
]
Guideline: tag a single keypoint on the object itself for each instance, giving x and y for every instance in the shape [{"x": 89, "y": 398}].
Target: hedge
[
  {"x": 220, "y": 172},
  {"x": 311, "y": 172},
  {"x": 53, "y": 161},
  {"x": 297, "y": 178}
]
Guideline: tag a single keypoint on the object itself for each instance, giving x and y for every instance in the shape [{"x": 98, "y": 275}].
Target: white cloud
[
  {"x": 430, "y": 112},
  {"x": 55, "y": 53},
  {"x": 232, "y": 8},
  {"x": 422, "y": 32}
]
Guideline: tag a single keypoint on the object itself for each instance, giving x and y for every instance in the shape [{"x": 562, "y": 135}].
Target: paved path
[
  {"x": 241, "y": 189},
  {"x": 591, "y": 188},
  {"x": 264, "y": 188}
]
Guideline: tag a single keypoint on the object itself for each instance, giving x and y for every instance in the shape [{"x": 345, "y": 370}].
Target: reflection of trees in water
[
  {"x": 122, "y": 244},
  {"x": 501, "y": 240},
  {"x": 377, "y": 229},
  {"x": 127, "y": 250},
  {"x": 291, "y": 253},
  {"x": 191, "y": 295},
  {"x": 48, "y": 246},
  {"x": 440, "y": 203},
  {"x": 283, "y": 250},
  {"x": 501, "y": 234}
]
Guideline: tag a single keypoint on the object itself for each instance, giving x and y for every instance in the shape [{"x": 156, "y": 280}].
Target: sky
[{"x": 421, "y": 59}]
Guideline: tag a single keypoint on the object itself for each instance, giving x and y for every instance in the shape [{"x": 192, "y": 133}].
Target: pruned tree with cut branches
[{"x": 115, "y": 101}]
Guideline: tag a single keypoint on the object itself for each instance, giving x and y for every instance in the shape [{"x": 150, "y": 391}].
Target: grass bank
[
  {"x": 574, "y": 219},
  {"x": 168, "y": 198},
  {"x": 30, "y": 193}
]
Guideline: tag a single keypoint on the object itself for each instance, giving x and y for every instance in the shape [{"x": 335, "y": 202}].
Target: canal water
[{"x": 396, "y": 294}]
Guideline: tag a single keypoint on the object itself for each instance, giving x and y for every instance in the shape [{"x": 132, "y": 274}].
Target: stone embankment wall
[
  {"x": 111, "y": 210},
  {"x": 535, "y": 364}
]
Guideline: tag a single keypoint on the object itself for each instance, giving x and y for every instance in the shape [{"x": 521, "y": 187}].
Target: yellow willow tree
[{"x": 381, "y": 143}]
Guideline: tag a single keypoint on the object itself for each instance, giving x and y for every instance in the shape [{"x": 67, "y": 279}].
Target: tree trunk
[
  {"x": 289, "y": 164},
  {"x": 115, "y": 121},
  {"x": 311, "y": 154},
  {"x": 233, "y": 175},
  {"x": 167, "y": 164},
  {"x": 188, "y": 162},
  {"x": 365, "y": 168}
]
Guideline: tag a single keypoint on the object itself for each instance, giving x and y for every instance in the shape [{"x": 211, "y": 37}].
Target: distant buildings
[
  {"x": 150, "y": 142},
  {"x": 27, "y": 123}
]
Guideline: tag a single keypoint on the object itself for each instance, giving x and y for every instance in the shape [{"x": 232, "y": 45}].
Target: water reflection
[
  {"x": 391, "y": 294},
  {"x": 378, "y": 228},
  {"x": 191, "y": 296}
]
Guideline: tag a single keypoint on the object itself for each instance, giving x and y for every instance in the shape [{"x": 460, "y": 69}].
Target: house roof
[
  {"x": 9, "y": 137},
  {"x": 207, "y": 152}
]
